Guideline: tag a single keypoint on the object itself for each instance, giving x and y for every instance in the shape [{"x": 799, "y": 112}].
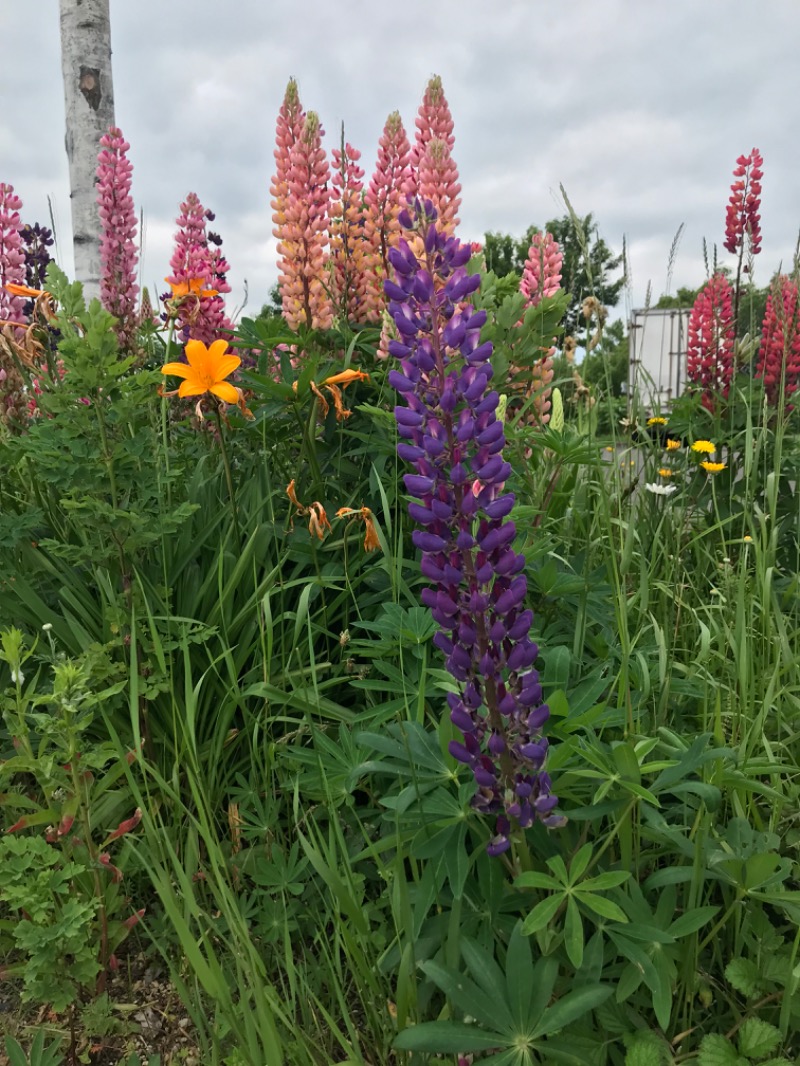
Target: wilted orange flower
[
  {"x": 317, "y": 518},
  {"x": 371, "y": 541},
  {"x": 332, "y": 384}
]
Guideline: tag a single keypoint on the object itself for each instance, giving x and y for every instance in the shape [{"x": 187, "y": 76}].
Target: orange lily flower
[
  {"x": 205, "y": 371},
  {"x": 192, "y": 287}
]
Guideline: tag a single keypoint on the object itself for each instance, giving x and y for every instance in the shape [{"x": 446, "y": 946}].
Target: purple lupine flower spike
[{"x": 453, "y": 439}]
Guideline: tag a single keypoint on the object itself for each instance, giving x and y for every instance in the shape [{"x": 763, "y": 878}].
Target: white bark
[{"x": 89, "y": 100}]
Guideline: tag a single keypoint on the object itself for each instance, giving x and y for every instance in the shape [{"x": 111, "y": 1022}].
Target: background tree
[
  {"x": 89, "y": 104},
  {"x": 587, "y": 270}
]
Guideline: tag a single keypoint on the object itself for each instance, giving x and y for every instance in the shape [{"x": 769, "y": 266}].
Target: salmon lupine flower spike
[
  {"x": 118, "y": 252},
  {"x": 438, "y": 182},
  {"x": 779, "y": 353},
  {"x": 742, "y": 216},
  {"x": 541, "y": 278},
  {"x": 385, "y": 198},
  {"x": 352, "y": 254},
  {"x": 711, "y": 338},
  {"x": 289, "y": 126},
  {"x": 12, "y": 255},
  {"x": 454, "y": 440},
  {"x": 303, "y": 236},
  {"x": 434, "y": 123},
  {"x": 197, "y": 271},
  {"x": 541, "y": 275}
]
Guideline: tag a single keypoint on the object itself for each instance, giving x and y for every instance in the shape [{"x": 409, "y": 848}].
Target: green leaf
[
  {"x": 573, "y": 934},
  {"x": 758, "y": 1038},
  {"x": 16, "y": 1056},
  {"x": 446, "y": 1038},
  {"x": 519, "y": 977},
  {"x": 715, "y": 1050},
  {"x": 541, "y": 915},
  {"x": 606, "y": 908},
  {"x": 691, "y": 921},
  {"x": 602, "y": 882},
  {"x": 532, "y": 879},
  {"x": 490, "y": 977},
  {"x": 646, "y": 1049},
  {"x": 465, "y": 994},
  {"x": 744, "y": 976},
  {"x": 580, "y": 862},
  {"x": 571, "y": 1007}
]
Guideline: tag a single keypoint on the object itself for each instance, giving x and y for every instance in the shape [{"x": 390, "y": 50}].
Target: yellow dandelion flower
[
  {"x": 665, "y": 471},
  {"x": 712, "y": 468},
  {"x": 704, "y": 446},
  {"x": 656, "y": 420},
  {"x": 672, "y": 445},
  {"x": 747, "y": 538}
]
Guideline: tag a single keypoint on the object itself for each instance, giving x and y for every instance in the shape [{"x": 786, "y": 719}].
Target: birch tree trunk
[{"x": 89, "y": 101}]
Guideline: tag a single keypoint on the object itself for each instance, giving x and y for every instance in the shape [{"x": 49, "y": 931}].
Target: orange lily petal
[
  {"x": 226, "y": 365},
  {"x": 192, "y": 387},
  {"x": 178, "y": 370},
  {"x": 198, "y": 355},
  {"x": 22, "y": 290},
  {"x": 227, "y": 392}
]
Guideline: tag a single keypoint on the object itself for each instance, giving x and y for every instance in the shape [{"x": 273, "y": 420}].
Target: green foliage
[{"x": 588, "y": 263}]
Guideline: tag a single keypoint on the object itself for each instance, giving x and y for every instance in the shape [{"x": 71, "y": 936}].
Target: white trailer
[{"x": 657, "y": 372}]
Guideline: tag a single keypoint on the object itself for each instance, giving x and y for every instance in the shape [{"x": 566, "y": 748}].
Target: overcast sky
[{"x": 638, "y": 107}]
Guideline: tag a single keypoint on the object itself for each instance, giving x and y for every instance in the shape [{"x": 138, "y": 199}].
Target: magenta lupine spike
[
  {"x": 742, "y": 215},
  {"x": 779, "y": 354},
  {"x": 194, "y": 264},
  {"x": 352, "y": 254},
  {"x": 710, "y": 341},
  {"x": 118, "y": 252},
  {"x": 453, "y": 438},
  {"x": 541, "y": 275},
  {"x": 434, "y": 123},
  {"x": 438, "y": 182},
  {"x": 303, "y": 237},
  {"x": 12, "y": 255},
  {"x": 385, "y": 198}
]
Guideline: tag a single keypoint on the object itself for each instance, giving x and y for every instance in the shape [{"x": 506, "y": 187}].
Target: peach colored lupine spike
[
  {"x": 288, "y": 128},
  {"x": 118, "y": 252},
  {"x": 384, "y": 200},
  {"x": 779, "y": 353},
  {"x": 433, "y": 122},
  {"x": 542, "y": 374},
  {"x": 438, "y": 182},
  {"x": 12, "y": 256},
  {"x": 709, "y": 350},
  {"x": 541, "y": 275},
  {"x": 352, "y": 255},
  {"x": 196, "y": 264},
  {"x": 303, "y": 237}
]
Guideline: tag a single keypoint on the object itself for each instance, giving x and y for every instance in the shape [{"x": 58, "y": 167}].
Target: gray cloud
[{"x": 640, "y": 110}]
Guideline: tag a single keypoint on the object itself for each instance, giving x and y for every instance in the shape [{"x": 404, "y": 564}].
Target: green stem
[{"x": 228, "y": 477}]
